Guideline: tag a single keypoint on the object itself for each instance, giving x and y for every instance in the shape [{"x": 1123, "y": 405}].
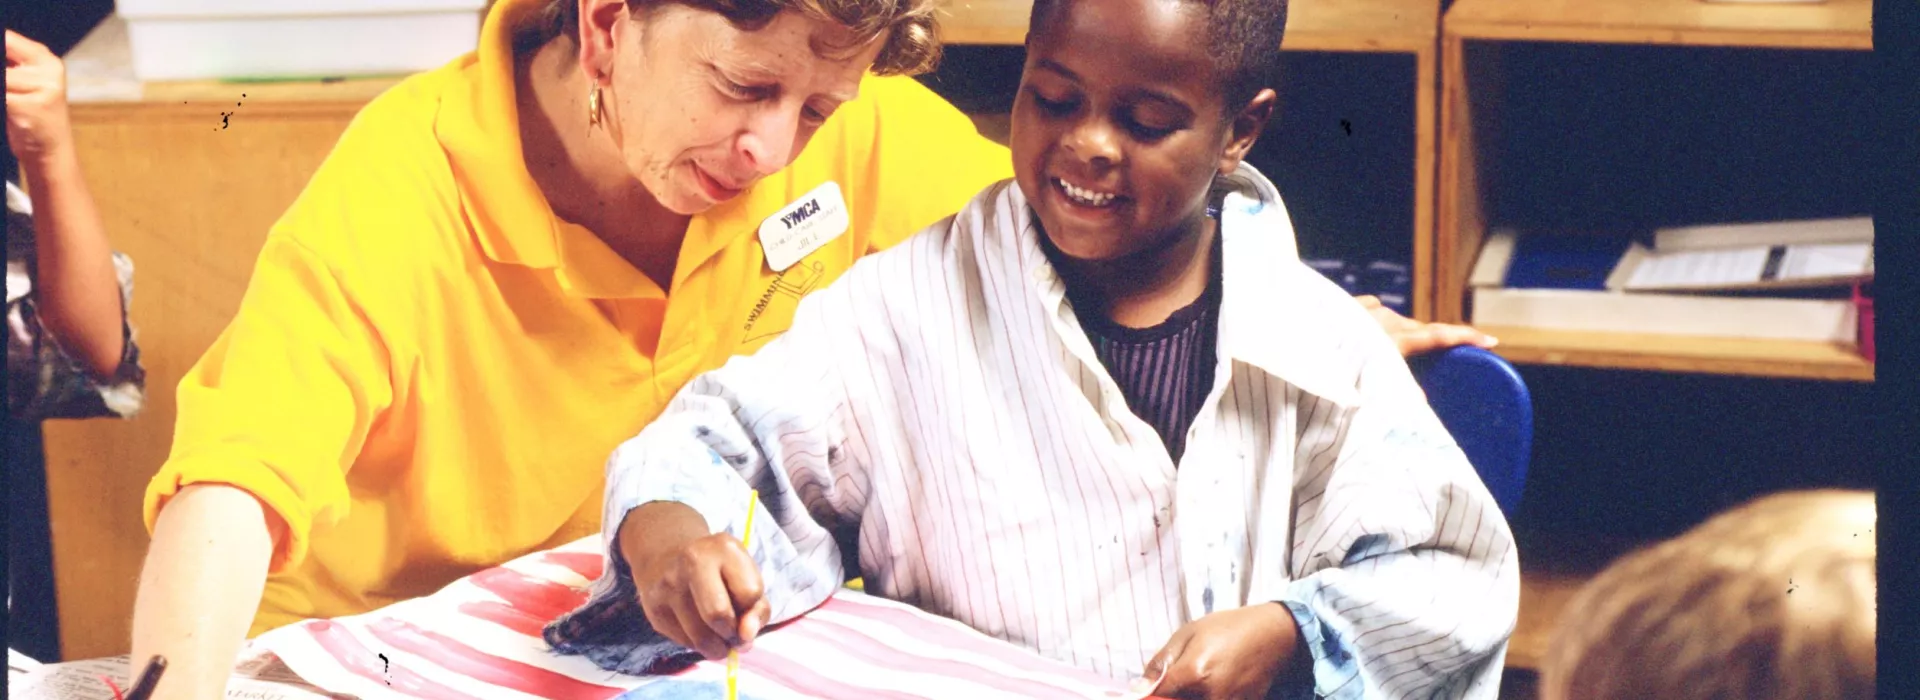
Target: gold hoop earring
[{"x": 593, "y": 106}]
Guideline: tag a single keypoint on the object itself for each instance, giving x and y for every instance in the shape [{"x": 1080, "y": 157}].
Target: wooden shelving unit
[
  {"x": 1350, "y": 26},
  {"x": 1833, "y": 24},
  {"x": 1462, "y": 223},
  {"x": 1669, "y": 353},
  {"x": 1396, "y": 26},
  {"x": 1554, "y": 569}
]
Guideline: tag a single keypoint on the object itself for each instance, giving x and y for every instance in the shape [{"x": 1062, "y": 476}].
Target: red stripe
[
  {"x": 854, "y": 643},
  {"x": 799, "y": 678},
  {"x": 506, "y": 616},
  {"x": 588, "y": 565},
  {"x": 546, "y": 600},
  {"x": 481, "y": 666},
  {"x": 357, "y": 660},
  {"x": 933, "y": 632}
]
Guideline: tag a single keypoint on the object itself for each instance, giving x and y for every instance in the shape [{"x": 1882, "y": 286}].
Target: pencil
[{"x": 746, "y": 541}]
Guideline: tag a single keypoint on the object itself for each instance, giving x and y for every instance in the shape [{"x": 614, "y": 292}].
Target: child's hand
[
  {"x": 703, "y": 593},
  {"x": 37, "y": 126},
  {"x": 1414, "y": 337},
  {"x": 1230, "y": 655}
]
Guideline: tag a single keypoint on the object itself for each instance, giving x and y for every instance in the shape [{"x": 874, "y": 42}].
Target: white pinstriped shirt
[{"x": 942, "y": 402}]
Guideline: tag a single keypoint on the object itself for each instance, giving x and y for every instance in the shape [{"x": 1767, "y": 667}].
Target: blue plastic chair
[{"x": 1484, "y": 403}]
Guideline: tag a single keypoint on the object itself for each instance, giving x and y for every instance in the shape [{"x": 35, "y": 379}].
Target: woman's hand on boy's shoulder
[
  {"x": 1229, "y": 655},
  {"x": 1414, "y": 337},
  {"x": 37, "y": 126}
]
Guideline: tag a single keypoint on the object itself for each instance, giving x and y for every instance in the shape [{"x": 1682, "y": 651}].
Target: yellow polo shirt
[{"x": 429, "y": 368}]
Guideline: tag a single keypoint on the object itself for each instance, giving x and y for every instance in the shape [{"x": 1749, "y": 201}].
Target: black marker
[{"x": 143, "y": 688}]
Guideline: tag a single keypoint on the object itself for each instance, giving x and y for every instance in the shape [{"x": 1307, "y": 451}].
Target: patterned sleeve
[
  {"x": 776, "y": 422},
  {"x": 43, "y": 381},
  {"x": 1407, "y": 579}
]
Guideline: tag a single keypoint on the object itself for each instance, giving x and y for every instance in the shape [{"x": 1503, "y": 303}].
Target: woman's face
[{"x": 701, "y": 110}]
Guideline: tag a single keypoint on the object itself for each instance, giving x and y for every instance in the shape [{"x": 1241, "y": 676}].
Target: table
[{"x": 480, "y": 638}]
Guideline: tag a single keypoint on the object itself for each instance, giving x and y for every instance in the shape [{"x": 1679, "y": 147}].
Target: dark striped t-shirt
[{"x": 1165, "y": 371}]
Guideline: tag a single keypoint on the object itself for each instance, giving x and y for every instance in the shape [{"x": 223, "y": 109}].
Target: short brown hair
[
  {"x": 1774, "y": 599},
  {"x": 912, "y": 43}
]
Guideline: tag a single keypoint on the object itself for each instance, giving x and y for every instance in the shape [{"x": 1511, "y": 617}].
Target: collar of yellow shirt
[{"x": 478, "y": 126}]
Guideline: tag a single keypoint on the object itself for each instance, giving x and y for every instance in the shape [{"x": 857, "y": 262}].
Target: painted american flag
[{"x": 479, "y": 639}]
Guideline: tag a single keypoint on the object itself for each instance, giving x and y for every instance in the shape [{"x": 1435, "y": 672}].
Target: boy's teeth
[{"x": 1084, "y": 196}]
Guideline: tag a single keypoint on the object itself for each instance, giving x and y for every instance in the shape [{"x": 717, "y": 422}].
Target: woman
[{"x": 506, "y": 267}]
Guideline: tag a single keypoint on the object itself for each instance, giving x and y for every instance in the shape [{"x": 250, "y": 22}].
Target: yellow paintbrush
[{"x": 746, "y": 541}]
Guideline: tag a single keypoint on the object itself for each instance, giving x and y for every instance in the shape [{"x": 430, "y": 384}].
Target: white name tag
[{"x": 803, "y": 226}]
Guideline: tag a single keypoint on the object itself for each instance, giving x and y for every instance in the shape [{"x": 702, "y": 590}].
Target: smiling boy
[{"x": 1103, "y": 412}]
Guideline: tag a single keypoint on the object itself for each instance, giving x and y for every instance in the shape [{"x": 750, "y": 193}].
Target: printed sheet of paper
[
  {"x": 1740, "y": 268},
  {"x": 1699, "y": 268},
  {"x": 479, "y": 638},
  {"x": 259, "y": 676}
]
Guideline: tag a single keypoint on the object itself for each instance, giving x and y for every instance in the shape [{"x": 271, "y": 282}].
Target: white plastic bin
[{"x": 211, "y": 39}]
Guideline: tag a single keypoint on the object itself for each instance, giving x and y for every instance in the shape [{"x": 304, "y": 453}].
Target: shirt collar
[
  {"x": 478, "y": 126},
  {"x": 1272, "y": 319}
]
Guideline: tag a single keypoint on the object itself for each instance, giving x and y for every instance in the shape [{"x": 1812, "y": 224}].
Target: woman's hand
[
  {"x": 1230, "y": 655},
  {"x": 1414, "y": 337},
  {"x": 37, "y": 126}
]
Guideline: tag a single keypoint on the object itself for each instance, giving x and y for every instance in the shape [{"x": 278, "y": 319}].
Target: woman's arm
[{"x": 203, "y": 578}]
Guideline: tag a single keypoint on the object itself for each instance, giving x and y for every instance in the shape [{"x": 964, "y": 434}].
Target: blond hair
[
  {"x": 911, "y": 42},
  {"x": 1774, "y": 599}
]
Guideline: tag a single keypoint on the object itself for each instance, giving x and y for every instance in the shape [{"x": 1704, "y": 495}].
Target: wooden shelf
[
  {"x": 1393, "y": 26},
  {"x": 100, "y": 72},
  {"x": 1833, "y": 24},
  {"x": 1462, "y": 211},
  {"x": 1671, "y": 353}
]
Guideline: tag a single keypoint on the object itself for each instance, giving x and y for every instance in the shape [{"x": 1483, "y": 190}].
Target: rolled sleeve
[
  {"x": 1334, "y": 670},
  {"x": 768, "y": 424},
  {"x": 1409, "y": 585},
  {"x": 283, "y": 401}
]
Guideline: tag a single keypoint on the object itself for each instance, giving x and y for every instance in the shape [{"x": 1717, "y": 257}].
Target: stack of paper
[
  {"x": 1782, "y": 255},
  {"x": 1616, "y": 286},
  {"x": 480, "y": 638}
]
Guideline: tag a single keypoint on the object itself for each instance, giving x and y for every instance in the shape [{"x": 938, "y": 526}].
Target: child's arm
[
  {"x": 779, "y": 422},
  {"x": 78, "y": 291},
  {"x": 1404, "y": 576}
]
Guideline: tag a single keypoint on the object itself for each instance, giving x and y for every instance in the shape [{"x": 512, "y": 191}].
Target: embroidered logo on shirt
[{"x": 787, "y": 288}]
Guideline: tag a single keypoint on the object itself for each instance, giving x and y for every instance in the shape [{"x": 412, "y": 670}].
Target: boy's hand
[
  {"x": 703, "y": 592},
  {"x": 37, "y": 126},
  {"x": 1230, "y": 655},
  {"x": 1414, "y": 337}
]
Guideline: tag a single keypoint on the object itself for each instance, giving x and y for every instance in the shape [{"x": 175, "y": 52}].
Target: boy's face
[{"x": 1119, "y": 126}]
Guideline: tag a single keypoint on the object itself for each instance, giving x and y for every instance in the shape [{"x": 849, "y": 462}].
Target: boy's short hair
[
  {"x": 1774, "y": 599},
  {"x": 1242, "y": 35}
]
